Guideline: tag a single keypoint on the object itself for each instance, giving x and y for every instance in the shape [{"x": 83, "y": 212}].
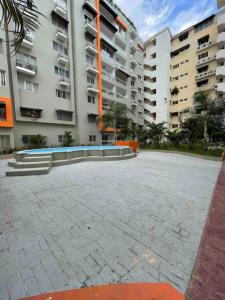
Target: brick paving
[{"x": 103, "y": 222}]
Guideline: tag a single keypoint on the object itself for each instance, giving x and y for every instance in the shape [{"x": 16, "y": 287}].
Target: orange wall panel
[{"x": 9, "y": 113}]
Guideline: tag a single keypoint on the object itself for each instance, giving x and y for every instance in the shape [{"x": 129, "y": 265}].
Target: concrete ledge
[
  {"x": 208, "y": 275},
  {"x": 28, "y": 172}
]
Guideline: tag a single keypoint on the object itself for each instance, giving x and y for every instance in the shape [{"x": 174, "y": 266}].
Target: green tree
[
  {"x": 175, "y": 137},
  {"x": 210, "y": 111},
  {"x": 67, "y": 139},
  {"x": 156, "y": 133},
  {"x": 116, "y": 117},
  {"x": 193, "y": 130},
  {"x": 38, "y": 140}
]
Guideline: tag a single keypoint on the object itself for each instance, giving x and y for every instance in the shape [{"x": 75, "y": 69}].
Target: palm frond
[{"x": 21, "y": 16}]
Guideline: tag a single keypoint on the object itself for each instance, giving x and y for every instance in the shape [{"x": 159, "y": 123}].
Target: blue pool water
[{"x": 65, "y": 149}]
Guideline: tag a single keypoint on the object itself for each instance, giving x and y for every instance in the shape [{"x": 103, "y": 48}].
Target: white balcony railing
[
  {"x": 25, "y": 67},
  {"x": 205, "y": 74},
  {"x": 205, "y": 60},
  {"x": 205, "y": 45}
]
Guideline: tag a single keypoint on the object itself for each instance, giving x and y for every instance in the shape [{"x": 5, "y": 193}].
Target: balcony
[
  {"x": 150, "y": 85},
  {"x": 133, "y": 75},
  {"x": 148, "y": 118},
  {"x": 121, "y": 97},
  {"x": 147, "y": 96},
  {"x": 90, "y": 27},
  {"x": 205, "y": 46},
  {"x": 64, "y": 82},
  {"x": 205, "y": 74},
  {"x": 220, "y": 87},
  {"x": 61, "y": 35},
  {"x": 91, "y": 47},
  {"x": 63, "y": 59},
  {"x": 106, "y": 76},
  {"x": 220, "y": 54},
  {"x": 89, "y": 7},
  {"x": 221, "y": 21},
  {"x": 26, "y": 68},
  {"x": 134, "y": 90},
  {"x": 92, "y": 69},
  {"x": 221, "y": 38},
  {"x": 109, "y": 60},
  {"x": 134, "y": 102},
  {"x": 205, "y": 60},
  {"x": 121, "y": 83},
  {"x": 28, "y": 41},
  {"x": 92, "y": 88},
  {"x": 59, "y": 10},
  {"x": 220, "y": 71},
  {"x": 108, "y": 94},
  {"x": 121, "y": 66},
  {"x": 133, "y": 62},
  {"x": 34, "y": 113}
]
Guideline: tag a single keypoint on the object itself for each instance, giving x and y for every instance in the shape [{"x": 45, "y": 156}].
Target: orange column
[{"x": 99, "y": 62}]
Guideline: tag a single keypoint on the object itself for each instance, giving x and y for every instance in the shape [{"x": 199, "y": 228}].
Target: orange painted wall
[
  {"x": 131, "y": 144},
  {"x": 121, "y": 23},
  {"x": 9, "y": 114},
  {"x": 130, "y": 291}
]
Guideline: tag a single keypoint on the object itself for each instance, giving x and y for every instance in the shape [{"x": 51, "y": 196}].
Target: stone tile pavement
[{"x": 92, "y": 223}]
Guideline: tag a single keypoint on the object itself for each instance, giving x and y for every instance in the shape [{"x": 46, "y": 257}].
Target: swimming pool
[{"x": 70, "y": 149}]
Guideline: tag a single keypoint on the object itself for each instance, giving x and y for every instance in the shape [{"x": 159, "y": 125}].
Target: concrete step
[
  {"x": 28, "y": 172},
  {"x": 26, "y": 165},
  {"x": 36, "y": 158}
]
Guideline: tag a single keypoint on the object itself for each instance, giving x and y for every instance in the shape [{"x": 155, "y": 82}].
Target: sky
[{"x": 150, "y": 16}]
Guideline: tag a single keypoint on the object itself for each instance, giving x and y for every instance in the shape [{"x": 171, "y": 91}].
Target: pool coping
[{"x": 207, "y": 279}]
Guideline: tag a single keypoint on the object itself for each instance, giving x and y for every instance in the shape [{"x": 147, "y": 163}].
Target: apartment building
[
  {"x": 157, "y": 77},
  {"x": 85, "y": 54},
  {"x": 193, "y": 66},
  {"x": 191, "y": 61}
]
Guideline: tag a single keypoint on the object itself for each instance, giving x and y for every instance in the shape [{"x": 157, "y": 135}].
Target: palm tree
[
  {"x": 175, "y": 137},
  {"x": 67, "y": 139},
  {"x": 156, "y": 132},
  {"x": 116, "y": 116},
  {"x": 22, "y": 15},
  {"x": 208, "y": 110}
]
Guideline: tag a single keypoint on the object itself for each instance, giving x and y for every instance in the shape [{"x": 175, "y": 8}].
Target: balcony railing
[
  {"x": 205, "y": 74},
  {"x": 108, "y": 76},
  {"x": 91, "y": 47},
  {"x": 109, "y": 93},
  {"x": 122, "y": 97},
  {"x": 60, "y": 10},
  {"x": 205, "y": 60},
  {"x": 119, "y": 65},
  {"x": 205, "y": 45},
  {"x": 25, "y": 67},
  {"x": 61, "y": 34},
  {"x": 121, "y": 82},
  {"x": 90, "y": 26},
  {"x": 64, "y": 82},
  {"x": 108, "y": 58},
  {"x": 63, "y": 59}
]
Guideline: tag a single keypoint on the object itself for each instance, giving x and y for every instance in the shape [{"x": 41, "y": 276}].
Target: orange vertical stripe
[
  {"x": 99, "y": 62},
  {"x": 9, "y": 115}
]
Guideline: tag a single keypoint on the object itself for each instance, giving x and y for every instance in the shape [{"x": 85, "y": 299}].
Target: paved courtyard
[{"x": 138, "y": 220}]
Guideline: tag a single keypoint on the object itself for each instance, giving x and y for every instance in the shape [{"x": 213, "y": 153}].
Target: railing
[
  {"x": 205, "y": 45},
  {"x": 119, "y": 65},
  {"x": 64, "y": 80},
  {"x": 123, "y": 97},
  {"x": 108, "y": 92},
  {"x": 108, "y": 75},
  {"x": 108, "y": 57},
  {"x": 206, "y": 59},
  {"x": 88, "y": 43},
  {"x": 89, "y": 22},
  {"x": 29, "y": 38},
  {"x": 121, "y": 82},
  {"x": 91, "y": 65},
  {"x": 203, "y": 74},
  {"x": 64, "y": 57},
  {"x": 25, "y": 65}
]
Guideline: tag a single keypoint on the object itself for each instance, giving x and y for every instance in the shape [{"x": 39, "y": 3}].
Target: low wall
[{"x": 132, "y": 144}]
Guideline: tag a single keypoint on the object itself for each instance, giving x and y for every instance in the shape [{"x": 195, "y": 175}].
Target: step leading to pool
[{"x": 28, "y": 172}]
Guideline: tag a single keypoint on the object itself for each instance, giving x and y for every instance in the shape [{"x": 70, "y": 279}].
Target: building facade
[
  {"x": 157, "y": 77},
  {"x": 192, "y": 61},
  {"x": 85, "y": 54}
]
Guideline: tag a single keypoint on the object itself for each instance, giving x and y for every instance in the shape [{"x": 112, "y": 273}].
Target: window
[
  {"x": 30, "y": 112},
  {"x": 62, "y": 94},
  {"x": 204, "y": 24},
  {"x": 62, "y": 72},
  {"x": 28, "y": 86},
  {"x": 2, "y": 78},
  {"x": 1, "y": 47},
  {"x": 139, "y": 77},
  {"x": 174, "y": 125},
  {"x": 175, "y": 78},
  {"x": 2, "y": 111},
  {"x": 26, "y": 139},
  {"x": 175, "y": 102},
  {"x": 154, "y": 68},
  {"x": 203, "y": 55},
  {"x": 132, "y": 83},
  {"x": 60, "y": 48},
  {"x": 90, "y": 79},
  {"x": 91, "y": 99},
  {"x": 92, "y": 138},
  {"x": 91, "y": 118},
  {"x": 203, "y": 40},
  {"x": 60, "y": 138},
  {"x": 176, "y": 66},
  {"x": 89, "y": 60},
  {"x": 26, "y": 58},
  {"x": 139, "y": 90},
  {"x": 64, "y": 115},
  {"x": 59, "y": 22},
  {"x": 183, "y": 36}
]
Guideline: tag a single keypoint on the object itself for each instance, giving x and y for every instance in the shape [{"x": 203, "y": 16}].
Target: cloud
[{"x": 150, "y": 16}]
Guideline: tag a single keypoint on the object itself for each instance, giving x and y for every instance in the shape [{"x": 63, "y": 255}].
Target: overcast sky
[{"x": 150, "y": 16}]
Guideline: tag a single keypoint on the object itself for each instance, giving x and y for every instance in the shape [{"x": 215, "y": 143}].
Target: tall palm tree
[
  {"x": 156, "y": 132},
  {"x": 208, "y": 110}
]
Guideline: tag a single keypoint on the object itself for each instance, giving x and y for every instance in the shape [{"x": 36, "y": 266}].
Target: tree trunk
[{"x": 206, "y": 135}]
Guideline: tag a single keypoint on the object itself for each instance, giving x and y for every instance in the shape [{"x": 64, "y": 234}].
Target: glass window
[
  {"x": 2, "y": 78},
  {"x": 2, "y": 111}
]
